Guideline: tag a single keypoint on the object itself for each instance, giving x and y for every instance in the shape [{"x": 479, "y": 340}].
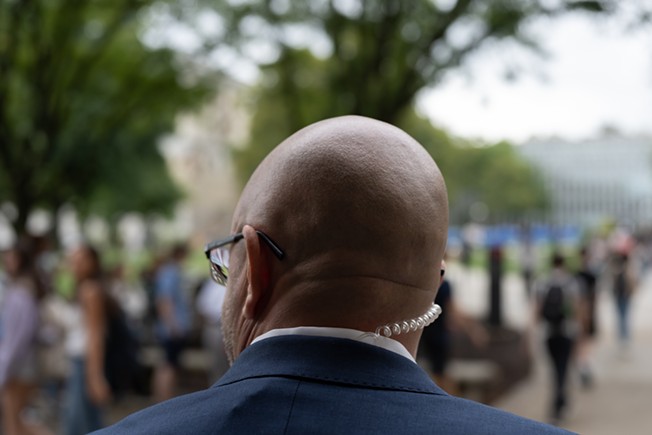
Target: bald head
[
  {"x": 360, "y": 210},
  {"x": 356, "y": 188}
]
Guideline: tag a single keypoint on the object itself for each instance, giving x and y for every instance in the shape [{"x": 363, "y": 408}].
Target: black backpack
[{"x": 553, "y": 309}]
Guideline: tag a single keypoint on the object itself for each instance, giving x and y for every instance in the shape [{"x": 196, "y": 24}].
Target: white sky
[{"x": 597, "y": 74}]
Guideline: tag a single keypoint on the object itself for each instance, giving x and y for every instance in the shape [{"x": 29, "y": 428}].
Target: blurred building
[
  {"x": 594, "y": 181},
  {"x": 199, "y": 157}
]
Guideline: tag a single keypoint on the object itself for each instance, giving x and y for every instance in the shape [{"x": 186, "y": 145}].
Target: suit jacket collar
[{"x": 327, "y": 359}]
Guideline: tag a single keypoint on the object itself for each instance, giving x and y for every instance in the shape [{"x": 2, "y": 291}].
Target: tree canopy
[
  {"x": 83, "y": 99},
  {"x": 82, "y": 103},
  {"x": 380, "y": 53},
  {"x": 491, "y": 174},
  {"x": 372, "y": 57}
]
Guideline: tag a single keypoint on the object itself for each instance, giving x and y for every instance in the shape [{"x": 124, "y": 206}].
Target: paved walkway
[{"x": 620, "y": 402}]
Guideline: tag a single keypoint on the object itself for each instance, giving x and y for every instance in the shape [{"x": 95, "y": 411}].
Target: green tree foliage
[
  {"x": 82, "y": 103},
  {"x": 286, "y": 98},
  {"x": 378, "y": 55},
  {"x": 491, "y": 174},
  {"x": 381, "y": 52}
]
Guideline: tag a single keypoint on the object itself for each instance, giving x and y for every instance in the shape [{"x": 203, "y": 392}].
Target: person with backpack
[{"x": 558, "y": 307}]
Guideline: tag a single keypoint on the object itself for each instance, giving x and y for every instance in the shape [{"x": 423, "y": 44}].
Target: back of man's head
[{"x": 360, "y": 210}]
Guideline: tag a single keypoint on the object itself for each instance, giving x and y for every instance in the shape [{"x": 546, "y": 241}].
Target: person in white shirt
[{"x": 209, "y": 306}]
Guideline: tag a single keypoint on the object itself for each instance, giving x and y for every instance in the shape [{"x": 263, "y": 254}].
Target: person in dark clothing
[
  {"x": 436, "y": 342},
  {"x": 558, "y": 307}
]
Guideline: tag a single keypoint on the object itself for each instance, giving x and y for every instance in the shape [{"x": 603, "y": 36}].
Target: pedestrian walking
[
  {"x": 624, "y": 280},
  {"x": 557, "y": 299},
  {"x": 173, "y": 321}
]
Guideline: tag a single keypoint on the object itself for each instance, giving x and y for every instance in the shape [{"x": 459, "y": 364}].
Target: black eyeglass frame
[{"x": 276, "y": 250}]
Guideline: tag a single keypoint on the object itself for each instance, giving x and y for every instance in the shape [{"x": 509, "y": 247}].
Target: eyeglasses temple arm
[{"x": 273, "y": 246}]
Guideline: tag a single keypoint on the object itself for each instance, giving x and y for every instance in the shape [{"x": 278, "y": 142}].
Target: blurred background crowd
[
  {"x": 127, "y": 129},
  {"x": 157, "y": 323}
]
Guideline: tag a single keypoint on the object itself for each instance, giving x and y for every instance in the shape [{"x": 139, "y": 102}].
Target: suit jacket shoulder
[{"x": 318, "y": 385}]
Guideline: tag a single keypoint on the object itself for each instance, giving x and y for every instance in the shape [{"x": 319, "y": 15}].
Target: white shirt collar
[{"x": 351, "y": 334}]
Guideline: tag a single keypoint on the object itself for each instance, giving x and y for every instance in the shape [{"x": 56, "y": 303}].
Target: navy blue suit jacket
[{"x": 318, "y": 385}]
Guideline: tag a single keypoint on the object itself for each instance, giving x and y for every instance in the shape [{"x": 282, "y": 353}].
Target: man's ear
[{"x": 258, "y": 273}]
